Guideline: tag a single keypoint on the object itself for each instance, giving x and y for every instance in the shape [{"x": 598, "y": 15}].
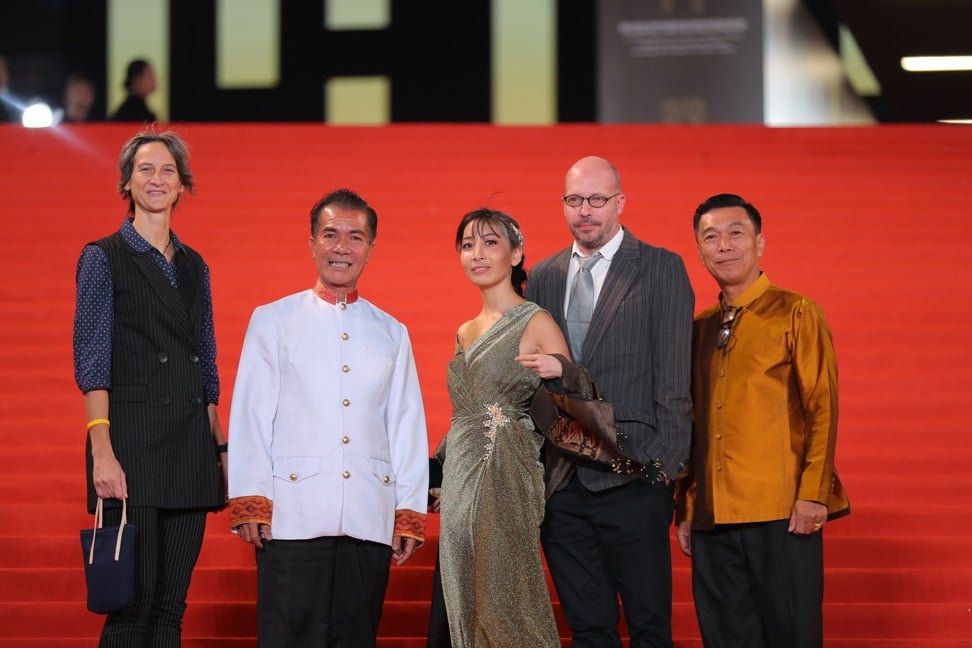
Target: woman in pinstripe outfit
[{"x": 145, "y": 360}]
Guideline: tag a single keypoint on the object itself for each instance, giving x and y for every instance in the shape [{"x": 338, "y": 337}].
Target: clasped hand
[{"x": 544, "y": 365}]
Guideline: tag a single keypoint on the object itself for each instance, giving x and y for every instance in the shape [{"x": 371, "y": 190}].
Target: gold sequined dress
[{"x": 492, "y": 497}]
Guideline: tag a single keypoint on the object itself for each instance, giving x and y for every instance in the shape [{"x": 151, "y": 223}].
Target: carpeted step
[
  {"x": 63, "y": 511},
  {"x": 840, "y": 551},
  {"x": 222, "y": 619},
  {"x": 419, "y": 642},
  {"x": 852, "y": 585},
  {"x": 843, "y": 621},
  {"x": 898, "y": 573}
]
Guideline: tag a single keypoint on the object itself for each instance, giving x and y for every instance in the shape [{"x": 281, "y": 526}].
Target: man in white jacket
[{"x": 328, "y": 464}]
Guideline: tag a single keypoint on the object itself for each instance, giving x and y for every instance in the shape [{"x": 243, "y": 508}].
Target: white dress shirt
[{"x": 600, "y": 269}]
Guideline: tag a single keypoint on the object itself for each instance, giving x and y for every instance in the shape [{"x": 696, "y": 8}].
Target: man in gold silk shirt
[{"x": 761, "y": 482}]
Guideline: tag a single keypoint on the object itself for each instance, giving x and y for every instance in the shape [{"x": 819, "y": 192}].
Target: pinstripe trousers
[{"x": 167, "y": 547}]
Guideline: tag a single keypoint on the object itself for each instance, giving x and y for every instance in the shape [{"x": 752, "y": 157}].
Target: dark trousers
[
  {"x": 438, "y": 635},
  {"x": 167, "y": 546},
  {"x": 601, "y": 545},
  {"x": 320, "y": 593},
  {"x": 758, "y": 586}
]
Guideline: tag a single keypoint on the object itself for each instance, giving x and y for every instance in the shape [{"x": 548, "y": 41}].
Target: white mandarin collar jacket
[{"x": 327, "y": 419}]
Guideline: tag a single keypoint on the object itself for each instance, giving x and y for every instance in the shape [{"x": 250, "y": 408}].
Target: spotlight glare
[{"x": 38, "y": 115}]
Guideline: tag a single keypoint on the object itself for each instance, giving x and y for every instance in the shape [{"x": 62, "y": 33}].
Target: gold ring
[{"x": 817, "y": 526}]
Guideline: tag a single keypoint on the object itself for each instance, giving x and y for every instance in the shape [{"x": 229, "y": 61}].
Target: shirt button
[
  {"x": 197, "y": 400},
  {"x": 193, "y": 358},
  {"x": 718, "y": 466},
  {"x": 345, "y": 368},
  {"x": 386, "y": 479},
  {"x": 345, "y": 336},
  {"x": 346, "y": 402},
  {"x": 165, "y": 400},
  {"x": 346, "y": 474},
  {"x": 718, "y": 435},
  {"x": 293, "y": 476},
  {"x": 722, "y": 372},
  {"x": 163, "y": 358},
  {"x": 345, "y": 440},
  {"x": 719, "y": 405},
  {"x": 343, "y": 305}
]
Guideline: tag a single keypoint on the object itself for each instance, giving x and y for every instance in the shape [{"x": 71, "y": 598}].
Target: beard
[{"x": 593, "y": 238}]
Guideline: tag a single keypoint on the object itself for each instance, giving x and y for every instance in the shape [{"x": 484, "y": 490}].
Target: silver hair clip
[{"x": 519, "y": 236}]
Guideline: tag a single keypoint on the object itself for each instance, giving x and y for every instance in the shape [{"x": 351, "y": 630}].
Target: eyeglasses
[
  {"x": 725, "y": 331},
  {"x": 595, "y": 201}
]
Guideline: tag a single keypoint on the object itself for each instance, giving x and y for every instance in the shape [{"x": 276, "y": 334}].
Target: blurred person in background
[
  {"x": 8, "y": 111},
  {"x": 79, "y": 96},
  {"x": 139, "y": 84}
]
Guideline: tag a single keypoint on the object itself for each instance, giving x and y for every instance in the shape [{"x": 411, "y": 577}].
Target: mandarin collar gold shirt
[{"x": 765, "y": 410}]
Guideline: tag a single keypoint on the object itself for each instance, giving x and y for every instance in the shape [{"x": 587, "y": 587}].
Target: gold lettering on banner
[{"x": 683, "y": 110}]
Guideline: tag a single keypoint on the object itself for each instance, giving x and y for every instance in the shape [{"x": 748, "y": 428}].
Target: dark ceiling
[{"x": 886, "y": 30}]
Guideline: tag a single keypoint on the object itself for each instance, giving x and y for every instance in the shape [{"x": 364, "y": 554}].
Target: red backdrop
[
  {"x": 867, "y": 221},
  {"x": 870, "y": 222}
]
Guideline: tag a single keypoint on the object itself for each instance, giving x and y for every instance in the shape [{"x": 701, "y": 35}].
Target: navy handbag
[{"x": 109, "y": 563}]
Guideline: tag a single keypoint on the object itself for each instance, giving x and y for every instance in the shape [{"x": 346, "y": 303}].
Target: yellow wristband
[{"x": 94, "y": 422}]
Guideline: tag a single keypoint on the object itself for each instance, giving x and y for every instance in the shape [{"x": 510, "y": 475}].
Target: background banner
[{"x": 680, "y": 61}]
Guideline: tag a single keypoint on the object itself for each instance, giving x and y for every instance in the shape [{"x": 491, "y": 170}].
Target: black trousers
[
  {"x": 167, "y": 546},
  {"x": 758, "y": 586},
  {"x": 606, "y": 544},
  {"x": 438, "y": 635},
  {"x": 320, "y": 593}
]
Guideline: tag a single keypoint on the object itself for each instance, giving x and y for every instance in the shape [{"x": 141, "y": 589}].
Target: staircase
[{"x": 871, "y": 222}]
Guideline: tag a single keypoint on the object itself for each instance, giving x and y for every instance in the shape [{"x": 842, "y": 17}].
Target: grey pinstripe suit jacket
[{"x": 637, "y": 350}]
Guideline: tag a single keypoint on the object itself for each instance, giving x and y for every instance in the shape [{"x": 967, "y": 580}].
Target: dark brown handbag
[{"x": 581, "y": 425}]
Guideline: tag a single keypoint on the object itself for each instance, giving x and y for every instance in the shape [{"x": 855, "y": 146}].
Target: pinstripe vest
[{"x": 159, "y": 422}]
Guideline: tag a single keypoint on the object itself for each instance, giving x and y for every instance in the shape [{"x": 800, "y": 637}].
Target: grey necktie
[{"x": 581, "y": 304}]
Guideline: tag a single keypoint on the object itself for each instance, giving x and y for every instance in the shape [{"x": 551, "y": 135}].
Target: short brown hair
[{"x": 126, "y": 161}]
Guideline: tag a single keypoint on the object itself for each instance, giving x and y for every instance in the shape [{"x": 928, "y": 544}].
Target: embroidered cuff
[
  {"x": 251, "y": 508},
  {"x": 410, "y": 524}
]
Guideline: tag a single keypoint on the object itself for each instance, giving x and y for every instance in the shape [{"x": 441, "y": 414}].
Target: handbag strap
[
  {"x": 121, "y": 529},
  {"x": 99, "y": 521}
]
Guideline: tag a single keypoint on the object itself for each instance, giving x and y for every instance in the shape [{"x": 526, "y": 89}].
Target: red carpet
[{"x": 871, "y": 222}]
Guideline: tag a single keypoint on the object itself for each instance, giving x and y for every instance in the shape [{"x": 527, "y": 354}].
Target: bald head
[
  {"x": 592, "y": 166},
  {"x": 594, "y": 225}
]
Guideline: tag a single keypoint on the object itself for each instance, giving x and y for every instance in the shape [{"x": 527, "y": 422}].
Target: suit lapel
[
  {"x": 171, "y": 297},
  {"x": 189, "y": 282},
  {"x": 621, "y": 274},
  {"x": 559, "y": 287}
]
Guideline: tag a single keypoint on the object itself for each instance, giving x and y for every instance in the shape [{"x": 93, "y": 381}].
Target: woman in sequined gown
[{"x": 492, "y": 499}]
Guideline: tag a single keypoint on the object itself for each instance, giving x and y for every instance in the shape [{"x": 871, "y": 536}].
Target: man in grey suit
[{"x": 605, "y": 534}]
